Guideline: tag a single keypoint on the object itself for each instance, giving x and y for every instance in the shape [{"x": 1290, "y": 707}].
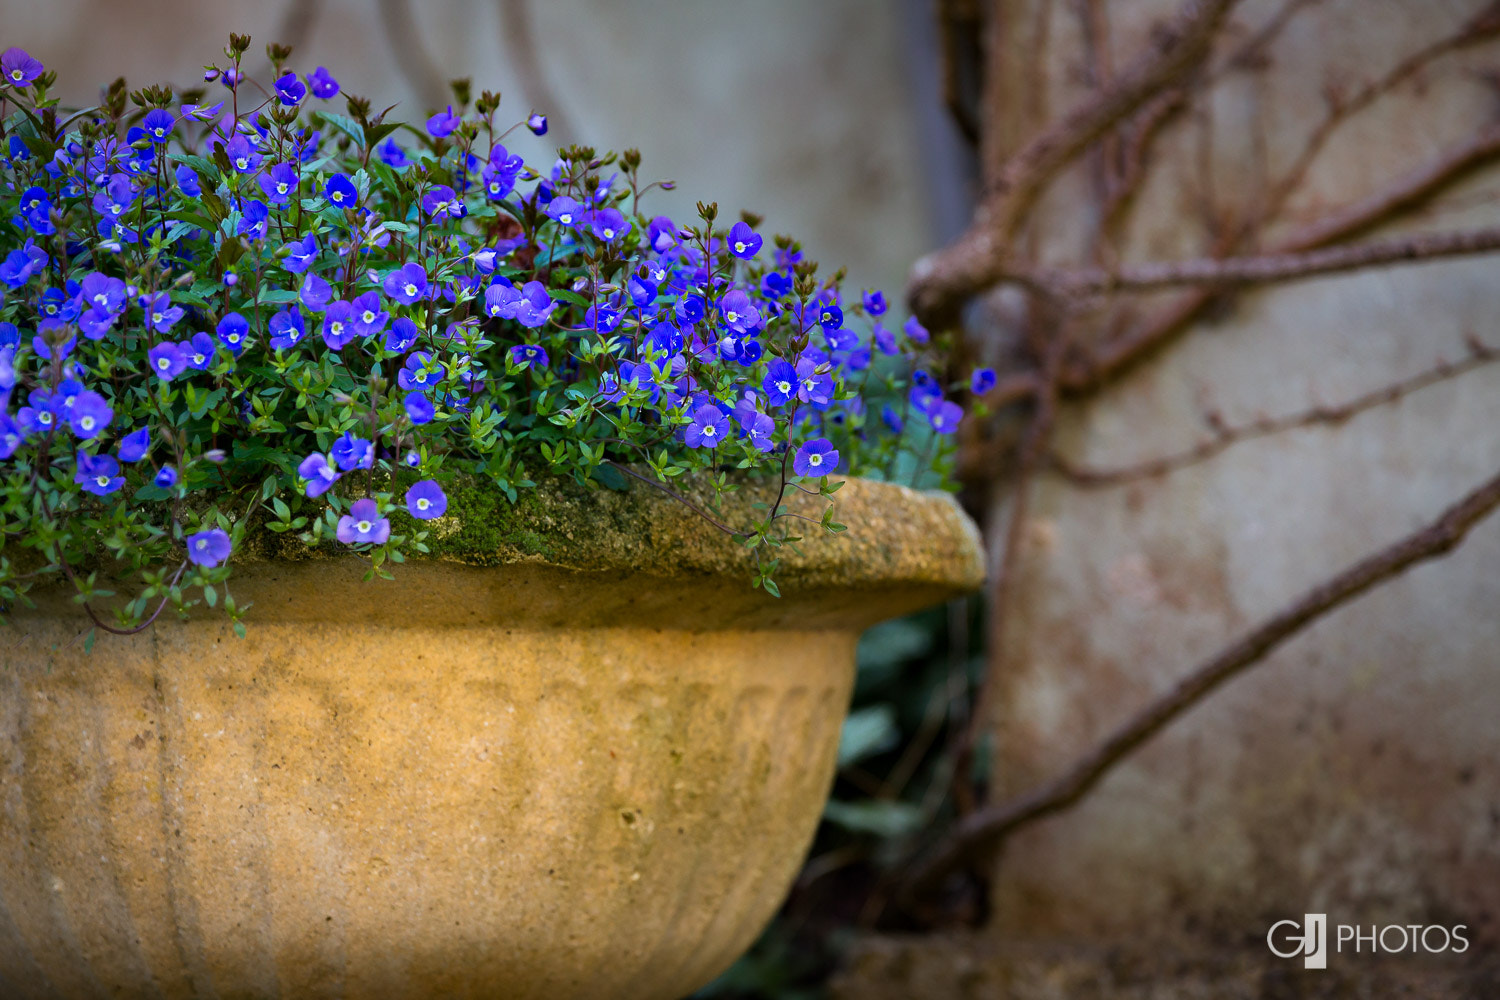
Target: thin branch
[
  {"x": 982, "y": 830},
  {"x": 943, "y": 281},
  {"x": 1263, "y": 268},
  {"x": 1403, "y": 195},
  {"x": 1092, "y": 478}
]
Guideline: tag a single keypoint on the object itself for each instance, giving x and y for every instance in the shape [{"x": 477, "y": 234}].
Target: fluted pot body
[{"x": 587, "y": 763}]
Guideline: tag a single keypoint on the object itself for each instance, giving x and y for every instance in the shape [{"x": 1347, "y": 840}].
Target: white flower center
[
  {"x": 102, "y": 480},
  {"x": 164, "y": 363},
  {"x": 784, "y": 386},
  {"x": 156, "y": 317},
  {"x": 814, "y": 460},
  {"x": 364, "y": 527},
  {"x": 732, "y": 316},
  {"x": 87, "y": 423},
  {"x": 242, "y": 163},
  {"x": 369, "y": 316},
  {"x": 337, "y": 328},
  {"x": 423, "y": 504},
  {"x": 739, "y": 246},
  {"x": 411, "y": 289},
  {"x": 281, "y": 188}
]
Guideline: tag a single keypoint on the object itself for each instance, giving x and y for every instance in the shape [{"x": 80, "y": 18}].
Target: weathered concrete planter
[{"x": 589, "y": 767}]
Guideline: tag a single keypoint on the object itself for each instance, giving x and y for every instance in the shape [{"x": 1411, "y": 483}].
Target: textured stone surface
[{"x": 444, "y": 786}]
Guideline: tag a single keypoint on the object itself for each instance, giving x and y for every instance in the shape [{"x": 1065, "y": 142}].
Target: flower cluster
[{"x": 247, "y": 307}]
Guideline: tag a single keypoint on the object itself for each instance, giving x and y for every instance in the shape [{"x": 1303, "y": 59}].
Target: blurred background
[{"x": 1353, "y": 771}]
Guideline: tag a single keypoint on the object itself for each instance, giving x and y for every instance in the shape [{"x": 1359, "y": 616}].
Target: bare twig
[
  {"x": 1092, "y": 478},
  {"x": 941, "y": 282},
  {"x": 984, "y": 829},
  {"x": 678, "y": 497},
  {"x": 1262, "y": 268}
]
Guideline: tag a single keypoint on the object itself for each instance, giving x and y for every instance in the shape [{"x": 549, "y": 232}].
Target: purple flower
[
  {"x": 564, "y": 210},
  {"x": 340, "y": 190},
  {"x": 642, "y": 292},
  {"x": 875, "y": 303},
  {"x": 813, "y": 386},
  {"x": 166, "y": 477},
  {"x": 407, "y": 285},
  {"x": 535, "y": 305},
  {"x": 338, "y": 325},
  {"x": 350, "y": 452},
  {"x": 22, "y": 263},
  {"x": 10, "y": 436},
  {"x": 419, "y": 372},
  {"x": 402, "y": 334},
  {"x": 915, "y": 332},
  {"x": 367, "y": 316},
  {"x": 287, "y": 329},
  {"x": 780, "y": 382},
  {"x": 323, "y": 86},
  {"x": 537, "y": 123},
  {"x": 661, "y": 233},
  {"x": 242, "y": 155},
  {"x": 982, "y": 381},
  {"x": 315, "y": 292},
  {"x": 158, "y": 124},
  {"x": 441, "y": 200},
  {"x": 98, "y": 474},
  {"x": 709, "y": 429},
  {"x": 19, "y": 67},
  {"x": 744, "y": 243},
  {"x": 945, "y": 416},
  {"x": 831, "y": 317},
  {"x": 208, "y": 548},
  {"x": 739, "y": 312},
  {"x": 392, "y": 155},
  {"x": 419, "y": 408},
  {"x": 442, "y": 124},
  {"x": 187, "y": 181},
  {"x": 231, "y": 330},
  {"x": 279, "y": 184},
  {"x": 609, "y": 225},
  {"x": 318, "y": 474},
  {"x": 816, "y": 458},
  {"x": 89, "y": 415},
  {"x": 528, "y": 355},
  {"x": 135, "y": 446},
  {"x": 161, "y": 314},
  {"x": 363, "y": 523},
  {"x": 426, "y": 500},
  {"x": 300, "y": 255},
  {"x": 198, "y": 352},
  {"x": 885, "y": 340},
  {"x": 290, "y": 89},
  {"x": 892, "y": 419}
]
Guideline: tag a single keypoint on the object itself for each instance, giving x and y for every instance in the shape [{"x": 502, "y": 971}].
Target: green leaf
[
  {"x": 867, "y": 732},
  {"x": 882, "y": 818},
  {"x": 347, "y": 126}
]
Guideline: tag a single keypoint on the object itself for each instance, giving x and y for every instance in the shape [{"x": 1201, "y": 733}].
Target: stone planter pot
[{"x": 574, "y": 755}]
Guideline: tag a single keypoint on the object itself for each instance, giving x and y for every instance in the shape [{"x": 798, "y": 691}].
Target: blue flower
[
  {"x": 891, "y": 419},
  {"x": 300, "y": 255},
  {"x": 290, "y": 89},
  {"x": 22, "y": 263},
  {"x": 242, "y": 156},
  {"x": 813, "y": 386},
  {"x": 609, "y": 225},
  {"x": 426, "y": 500},
  {"x": 231, "y": 330},
  {"x": 367, "y": 316},
  {"x": 338, "y": 325},
  {"x": 709, "y": 429},
  {"x": 441, "y": 200},
  {"x": 161, "y": 314},
  {"x": 350, "y": 452},
  {"x": 739, "y": 312},
  {"x": 315, "y": 292},
  {"x": 442, "y": 124},
  {"x": 392, "y": 155},
  {"x": 915, "y": 332},
  {"x": 407, "y": 285},
  {"x": 89, "y": 415},
  {"x": 875, "y": 303},
  {"x": 199, "y": 351},
  {"x": 158, "y": 124},
  {"x": 528, "y": 356},
  {"x": 135, "y": 446},
  {"x": 98, "y": 474},
  {"x": 340, "y": 190},
  {"x": 402, "y": 334},
  {"x": 944, "y": 416},
  {"x": 279, "y": 184},
  {"x": 780, "y": 382},
  {"x": 318, "y": 474},
  {"x": 166, "y": 477},
  {"x": 743, "y": 241},
  {"x": 323, "y": 85},
  {"x": 419, "y": 372},
  {"x": 419, "y": 408},
  {"x": 208, "y": 548},
  {"x": 535, "y": 305},
  {"x": 982, "y": 381},
  {"x": 815, "y": 458},
  {"x": 564, "y": 210},
  {"x": 537, "y": 123},
  {"x": 187, "y": 181},
  {"x": 363, "y": 523},
  {"x": 287, "y": 329},
  {"x": 831, "y": 317},
  {"x": 10, "y": 436}
]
